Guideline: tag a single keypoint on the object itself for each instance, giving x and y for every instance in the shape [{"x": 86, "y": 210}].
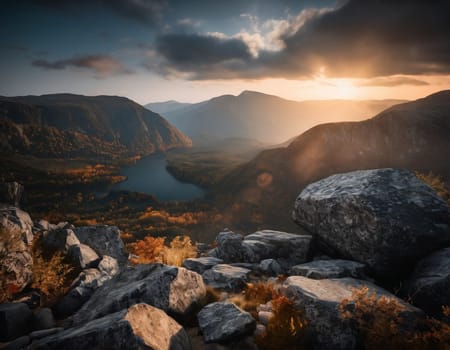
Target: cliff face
[{"x": 65, "y": 125}]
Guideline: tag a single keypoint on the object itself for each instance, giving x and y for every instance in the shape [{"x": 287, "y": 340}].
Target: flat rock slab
[
  {"x": 386, "y": 218},
  {"x": 318, "y": 300},
  {"x": 175, "y": 290},
  {"x": 226, "y": 277},
  {"x": 429, "y": 285},
  {"x": 223, "y": 321},
  {"x": 138, "y": 327},
  {"x": 333, "y": 268},
  {"x": 201, "y": 264}
]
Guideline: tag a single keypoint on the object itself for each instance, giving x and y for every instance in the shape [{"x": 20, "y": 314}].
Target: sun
[{"x": 345, "y": 89}]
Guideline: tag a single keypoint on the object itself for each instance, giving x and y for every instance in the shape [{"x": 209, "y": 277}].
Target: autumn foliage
[
  {"x": 52, "y": 274},
  {"x": 153, "y": 249},
  {"x": 381, "y": 325},
  {"x": 437, "y": 184}
]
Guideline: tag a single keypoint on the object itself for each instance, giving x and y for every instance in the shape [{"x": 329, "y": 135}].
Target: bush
[
  {"x": 381, "y": 325},
  {"x": 286, "y": 329},
  {"x": 151, "y": 249},
  {"x": 52, "y": 274}
]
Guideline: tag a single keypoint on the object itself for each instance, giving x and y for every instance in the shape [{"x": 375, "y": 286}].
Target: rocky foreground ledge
[{"x": 369, "y": 230}]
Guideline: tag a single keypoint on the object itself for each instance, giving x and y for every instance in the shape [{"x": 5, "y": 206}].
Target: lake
[{"x": 149, "y": 175}]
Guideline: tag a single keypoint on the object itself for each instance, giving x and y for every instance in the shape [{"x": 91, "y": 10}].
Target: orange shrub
[
  {"x": 286, "y": 329},
  {"x": 380, "y": 324},
  {"x": 180, "y": 249},
  {"x": 437, "y": 184}
]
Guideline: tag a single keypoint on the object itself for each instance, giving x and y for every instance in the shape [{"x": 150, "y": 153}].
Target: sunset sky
[{"x": 156, "y": 50}]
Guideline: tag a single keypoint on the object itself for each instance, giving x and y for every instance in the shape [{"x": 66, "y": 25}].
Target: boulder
[
  {"x": 333, "y": 268},
  {"x": 60, "y": 240},
  {"x": 224, "y": 321},
  {"x": 108, "y": 266},
  {"x": 385, "y": 218},
  {"x": 15, "y": 320},
  {"x": 230, "y": 249},
  {"x": 139, "y": 327},
  {"x": 83, "y": 256},
  {"x": 287, "y": 248},
  {"x": 172, "y": 289},
  {"x": 429, "y": 285},
  {"x": 42, "y": 225},
  {"x": 105, "y": 240},
  {"x": 226, "y": 277},
  {"x": 11, "y": 193},
  {"x": 43, "y": 319},
  {"x": 14, "y": 219},
  {"x": 17, "y": 270},
  {"x": 318, "y": 301},
  {"x": 270, "y": 267},
  {"x": 201, "y": 264},
  {"x": 45, "y": 332}
]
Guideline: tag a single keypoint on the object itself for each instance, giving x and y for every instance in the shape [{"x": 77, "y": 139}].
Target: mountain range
[
  {"x": 257, "y": 116},
  {"x": 66, "y": 125},
  {"x": 413, "y": 135}
]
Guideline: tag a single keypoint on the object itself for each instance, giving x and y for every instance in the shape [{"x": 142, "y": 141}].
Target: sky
[{"x": 189, "y": 51}]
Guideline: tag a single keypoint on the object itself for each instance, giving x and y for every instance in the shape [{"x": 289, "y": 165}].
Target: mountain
[
  {"x": 413, "y": 135},
  {"x": 166, "y": 106},
  {"x": 66, "y": 125},
  {"x": 266, "y": 118}
]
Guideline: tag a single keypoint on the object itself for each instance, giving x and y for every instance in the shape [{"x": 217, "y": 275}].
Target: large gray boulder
[
  {"x": 17, "y": 220},
  {"x": 139, "y": 327},
  {"x": 230, "y": 249},
  {"x": 175, "y": 290},
  {"x": 333, "y": 268},
  {"x": 429, "y": 285},
  {"x": 105, "y": 240},
  {"x": 11, "y": 193},
  {"x": 223, "y": 321},
  {"x": 226, "y": 277},
  {"x": 15, "y": 320},
  {"x": 386, "y": 218},
  {"x": 318, "y": 301}
]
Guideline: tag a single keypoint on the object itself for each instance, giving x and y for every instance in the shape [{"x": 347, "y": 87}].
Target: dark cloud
[
  {"x": 392, "y": 81},
  {"x": 102, "y": 65},
  {"x": 359, "y": 39},
  {"x": 145, "y": 11}
]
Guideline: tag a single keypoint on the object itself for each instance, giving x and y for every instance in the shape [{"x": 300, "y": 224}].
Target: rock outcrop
[
  {"x": 223, "y": 321},
  {"x": 386, "y": 218},
  {"x": 15, "y": 320},
  {"x": 429, "y": 285},
  {"x": 139, "y": 327},
  {"x": 172, "y": 289},
  {"x": 201, "y": 264}
]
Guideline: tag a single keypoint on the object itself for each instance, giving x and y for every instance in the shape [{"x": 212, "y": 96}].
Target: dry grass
[
  {"x": 381, "y": 325},
  {"x": 52, "y": 274},
  {"x": 152, "y": 249},
  {"x": 437, "y": 184}
]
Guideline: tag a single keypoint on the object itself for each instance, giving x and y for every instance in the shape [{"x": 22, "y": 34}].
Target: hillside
[
  {"x": 166, "y": 106},
  {"x": 66, "y": 125},
  {"x": 412, "y": 135},
  {"x": 264, "y": 117}
]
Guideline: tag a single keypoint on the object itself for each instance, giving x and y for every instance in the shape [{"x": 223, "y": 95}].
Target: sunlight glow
[{"x": 345, "y": 89}]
